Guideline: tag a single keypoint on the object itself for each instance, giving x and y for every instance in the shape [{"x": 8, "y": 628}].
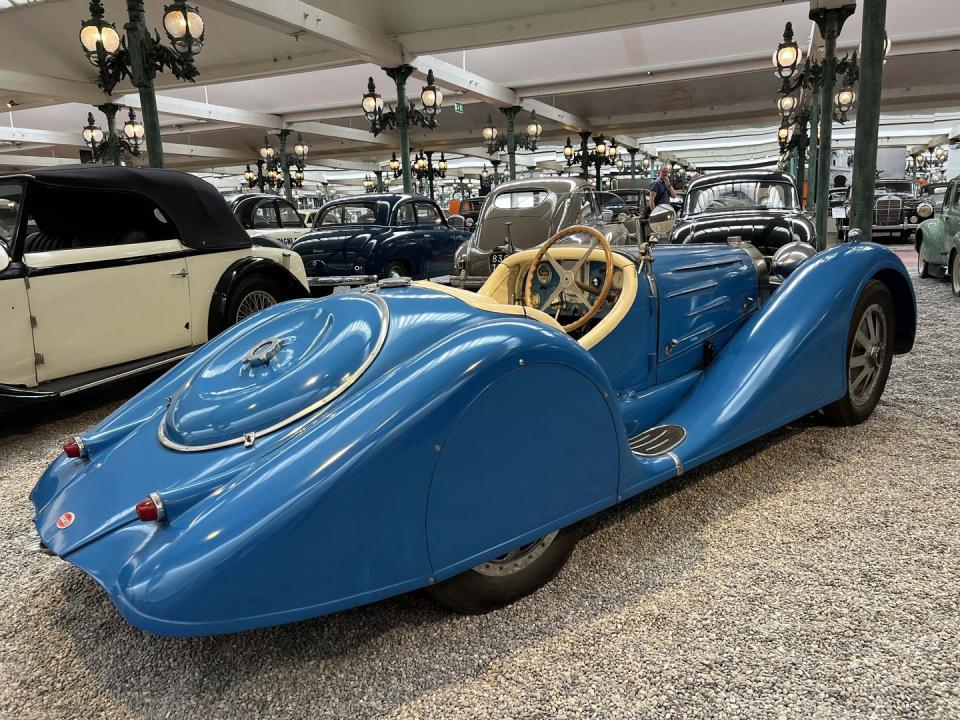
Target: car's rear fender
[{"x": 335, "y": 516}]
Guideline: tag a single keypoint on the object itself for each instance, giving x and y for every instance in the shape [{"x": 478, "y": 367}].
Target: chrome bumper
[
  {"x": 337, "y": 280},
  {"x": 900, "y": 226}
]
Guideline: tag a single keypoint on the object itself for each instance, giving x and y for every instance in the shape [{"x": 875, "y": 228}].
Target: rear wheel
[
  {"x": 396, "y": 268},
  {"x": 869, "y": 355},
  {"x": 251, "y": 295},
  {"x": 923, "y": 269},
  {"x": 511, "y": 576},
  {"x": 955, "y": 273}
]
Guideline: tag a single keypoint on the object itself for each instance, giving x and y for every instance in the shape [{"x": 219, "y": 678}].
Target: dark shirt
[{"x": 660, "y": 192}]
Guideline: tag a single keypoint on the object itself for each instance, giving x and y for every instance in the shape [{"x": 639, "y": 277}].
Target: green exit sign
[{"x": 458, "y": 107}]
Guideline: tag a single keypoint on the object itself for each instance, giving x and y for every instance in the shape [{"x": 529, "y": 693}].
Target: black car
[
  {"x": 760, "y": 207},
  {"x": 269, "y": 219},
  {"x": 356, "y": 240},
  {"x": 897, "y": 211}
]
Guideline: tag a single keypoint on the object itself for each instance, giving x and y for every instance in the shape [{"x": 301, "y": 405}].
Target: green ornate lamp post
[
  {"x": 113, "y": 143},
  {"x": 807, "y": 97},
  {"x": 424, "y": 169},
  {"x": 512, "y": 142},
  {"x": 406, "y": 115},
  {"x": 601, "y": 154},
  {"x": 141, "y": 57}
]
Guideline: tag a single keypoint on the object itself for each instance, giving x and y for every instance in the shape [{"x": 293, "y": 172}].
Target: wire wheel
[
  {"x": 516, "y": 560},
  {"x": 955, "y": 274},
  {"x": 867, "y": 355},
  {"x": 253, "y": 302}
]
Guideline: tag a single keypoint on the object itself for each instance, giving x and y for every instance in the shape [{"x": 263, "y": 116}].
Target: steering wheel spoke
[{"x": 568, "y": 284}]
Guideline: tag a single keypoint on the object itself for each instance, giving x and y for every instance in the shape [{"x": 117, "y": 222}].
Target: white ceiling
[{"x": 685, "y": 78}]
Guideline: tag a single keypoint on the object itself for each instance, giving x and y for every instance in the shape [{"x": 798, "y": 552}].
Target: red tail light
[
  {"x": 74, "y": 448},
  {"x": 151, "y": 509}
]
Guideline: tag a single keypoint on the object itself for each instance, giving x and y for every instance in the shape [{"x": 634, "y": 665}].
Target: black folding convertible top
[{"x": 198, "y": 211}]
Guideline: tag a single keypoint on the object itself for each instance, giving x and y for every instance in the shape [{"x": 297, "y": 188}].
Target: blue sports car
[
  {"x": 324, "y": 454},
  {"x": 356, "y": 240}
]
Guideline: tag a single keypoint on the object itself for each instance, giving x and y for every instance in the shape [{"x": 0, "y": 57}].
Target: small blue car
[
  {"x": 359, "y": 239},
  {"x": 327, "y": 453}
]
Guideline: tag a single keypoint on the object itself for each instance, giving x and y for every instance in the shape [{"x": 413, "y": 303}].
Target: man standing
[{"x": 661, "y": 190}]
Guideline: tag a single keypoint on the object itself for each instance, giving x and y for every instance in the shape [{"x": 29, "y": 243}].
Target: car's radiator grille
[{"x": 887, "y": 211}]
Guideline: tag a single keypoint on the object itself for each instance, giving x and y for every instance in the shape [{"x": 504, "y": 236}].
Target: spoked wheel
[
  {"x": 250, "y": 297},
  {"x": 254, "y": 302},
  {"x": 869, "y": 354},
  {"x": 923, "y": 268},
  {"x": 955, "y": 274},
  {"x": 511, "y": 576}
]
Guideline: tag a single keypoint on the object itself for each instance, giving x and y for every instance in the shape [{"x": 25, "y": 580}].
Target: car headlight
[{"x": 924, "y": 210}]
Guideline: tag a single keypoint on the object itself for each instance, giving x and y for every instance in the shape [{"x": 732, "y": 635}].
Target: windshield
[
  {"x": 894, "y": 187},
  {"x": 349, "y": 214},
  {"x": 10, "y": 194},
  {"x": 747, "y": 195}
]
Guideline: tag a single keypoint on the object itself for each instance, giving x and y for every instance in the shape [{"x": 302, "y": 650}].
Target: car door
[
  {"x": 440, "y": 241},
  {"x": 951, "y": 212},
  {"x": 291, "y": 223},
  {"x": 16, "y": 345},
  {"x": 107, "y": 288}
]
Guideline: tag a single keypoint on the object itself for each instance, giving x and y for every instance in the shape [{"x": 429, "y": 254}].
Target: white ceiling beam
[
  {"x": 449, "y": 75},
  {"x": 566, "y": 120},
  {"x": 34, "y": 161},
  {"x": 384, "y": 139},
  {"x": 585, "y": 19},
  {"x": 294, "y": 16},
  {"x": 12, "y": 82},
  {"x": 205, "y": 111}
]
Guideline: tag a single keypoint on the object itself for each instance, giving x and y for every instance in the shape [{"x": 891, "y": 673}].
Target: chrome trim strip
[
  {"x": 707, "y": 264},
  {"x": 248, "y": 439},
  {"x": 709, "y": 285},
  {"x": 677, "y": 463},
  {"x": 333, "y": 280},
  {"x": 118, "y": 376},
  {"x": 712, "y": 305}
]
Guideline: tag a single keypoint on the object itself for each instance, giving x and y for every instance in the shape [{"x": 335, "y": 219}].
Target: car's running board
[
  {"x": 658, "y": 440},
  {"x": 88, "y": 380}
]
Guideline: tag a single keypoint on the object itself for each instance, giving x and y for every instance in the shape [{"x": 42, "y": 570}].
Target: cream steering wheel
[{"x": 568, "y": 284}]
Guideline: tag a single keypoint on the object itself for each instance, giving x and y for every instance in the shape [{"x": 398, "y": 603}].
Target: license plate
[{"x": 496, "y": 258}]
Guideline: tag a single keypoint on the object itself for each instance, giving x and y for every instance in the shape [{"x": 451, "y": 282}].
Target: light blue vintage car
[
  {"x": 938, "y": 240},
  {"x": 328, "y": 453}
]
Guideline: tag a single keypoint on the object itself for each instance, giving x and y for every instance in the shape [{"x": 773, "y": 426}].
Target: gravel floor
[{"x": 812, "y": 574}]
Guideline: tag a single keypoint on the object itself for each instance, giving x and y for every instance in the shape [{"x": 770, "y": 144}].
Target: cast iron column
[
  {"x": 830, "y": 21},
  {"x": 585, "y": 154},
  {"x": 868, "y": 116},
  {"x": 429, "y": 154},
  {"x": 633, "y": 167},
  {"x": 814, "y": 147},
  {"x": 260, "y": 178},
  {"x": 142, "y": 73},
  {"x": 379, "y": 175},
  {"x": 511, "y": 113},
  {"x": 399, "y": 75},
  {"x": 801, "y": 155},
  {"x": 495, "y": 180},
  {"x": 285, "y": 164},
  {"x": 113, "y": 142}
]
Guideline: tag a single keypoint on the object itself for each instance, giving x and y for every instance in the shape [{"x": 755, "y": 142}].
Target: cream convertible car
[{"x": 106, "y": 272}]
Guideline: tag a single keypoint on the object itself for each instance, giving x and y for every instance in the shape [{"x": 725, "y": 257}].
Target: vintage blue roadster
[{"x": 327, "y": 453}]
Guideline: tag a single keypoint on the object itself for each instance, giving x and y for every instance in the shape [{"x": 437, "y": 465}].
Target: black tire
[
  {"x": 480, "y": 589},
  {"x": 954, "y": 266},
  {"x": 923, "y": 267},
  {"x": 396, "y": 267},
  {"x": 254, "y": 290},
  {"x": 862, "y": 396}
]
